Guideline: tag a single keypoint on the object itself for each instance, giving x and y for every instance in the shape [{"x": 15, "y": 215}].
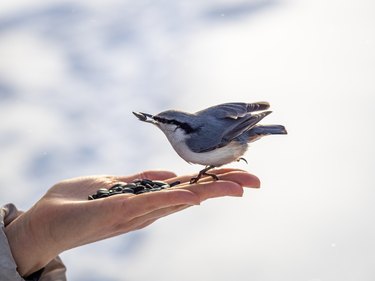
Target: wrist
[{"x": 28, "y": 253}]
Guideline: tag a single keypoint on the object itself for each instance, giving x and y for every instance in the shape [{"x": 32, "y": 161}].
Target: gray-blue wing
[
  {"x": 233, "y": 110},
  {"x": 217, "y": 133}
]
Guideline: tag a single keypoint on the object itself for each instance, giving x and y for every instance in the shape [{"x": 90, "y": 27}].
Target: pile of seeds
[{"x": 135, "y": 187}]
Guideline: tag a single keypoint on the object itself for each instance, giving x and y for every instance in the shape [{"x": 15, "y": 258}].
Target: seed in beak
[{"x": 142, "y": 116}]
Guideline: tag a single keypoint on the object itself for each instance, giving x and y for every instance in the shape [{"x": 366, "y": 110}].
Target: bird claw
[
  {"x": 243, "y": 159},
  {"x": 204, "y": 172},
  {"x": 194, "y": 180}
]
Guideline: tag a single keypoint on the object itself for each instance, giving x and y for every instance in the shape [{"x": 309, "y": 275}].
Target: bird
[{"x": 214, "y": 136}]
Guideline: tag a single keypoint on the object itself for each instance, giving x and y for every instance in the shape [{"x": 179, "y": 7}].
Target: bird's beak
[{"x": 145, "y": 117}]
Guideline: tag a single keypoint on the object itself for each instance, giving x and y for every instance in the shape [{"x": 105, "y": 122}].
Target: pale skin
[{"x": 64, "y": 219}]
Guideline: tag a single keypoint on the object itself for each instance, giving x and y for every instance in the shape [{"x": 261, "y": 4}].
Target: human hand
[{"x": 63, "y": 218}]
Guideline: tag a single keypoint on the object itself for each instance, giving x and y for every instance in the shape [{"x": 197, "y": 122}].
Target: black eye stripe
[
  {"x": 166, "y": 121},
  {"x": 186, "y": 127},
  {"x": 162, "y": 120}
]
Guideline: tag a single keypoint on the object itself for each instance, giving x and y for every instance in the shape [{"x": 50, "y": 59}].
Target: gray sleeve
[{"x": 54, "y": 271}]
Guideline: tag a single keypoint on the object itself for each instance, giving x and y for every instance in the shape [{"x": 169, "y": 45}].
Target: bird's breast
[{"x": 217, "y": 157}]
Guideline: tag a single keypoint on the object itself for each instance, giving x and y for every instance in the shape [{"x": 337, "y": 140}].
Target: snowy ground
[{"x": 71, "y": 72}]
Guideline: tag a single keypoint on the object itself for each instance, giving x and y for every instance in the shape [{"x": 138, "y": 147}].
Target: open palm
[{"x": 63, "y": 218}]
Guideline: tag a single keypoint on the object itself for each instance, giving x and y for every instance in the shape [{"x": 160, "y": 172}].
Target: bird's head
[{"x": 170, "y": 121}]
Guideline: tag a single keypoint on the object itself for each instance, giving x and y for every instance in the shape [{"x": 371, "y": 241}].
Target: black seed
[
  {"x": 118, "y": 184},
  {"x": 117, "y": 187},
  {"x": 149, "y": 186},
  {"x": 140, "y": 116},
  {"x": 143, "y": 191},
  {"x": 160, "y": 183},
  {"x": 138, "y": 188},
  {"x": 146, "y": 181},
  {"x": 127, "y": 190},
  {"x": 103, "y": 195},
  {"x": 102, "y": 191},
  {"x": 174, "y": 183},
  {"x": 116, "y": 192}
]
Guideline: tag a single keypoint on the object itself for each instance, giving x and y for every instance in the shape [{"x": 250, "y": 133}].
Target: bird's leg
[
  {"x": 204, "y": 172},
  {"x": 241, "y": 158}
]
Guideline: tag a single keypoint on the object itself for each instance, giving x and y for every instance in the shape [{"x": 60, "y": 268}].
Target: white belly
[{"x": 217, "y": 157}]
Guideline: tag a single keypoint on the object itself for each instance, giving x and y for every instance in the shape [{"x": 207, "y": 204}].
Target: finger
[
  {"x": 145, "y": 224},
  {"x": 148, "y": 202},
  {"x": 152, "y": 175},
  {"x": 153, "y": 216},
  {"x": 147, "y": 219},
  {"x": 240, "y": 177},
  {"x": 162, "y": 212},
  {"x": 215, "y": 189},
  {"x": 187, "y": 178}
]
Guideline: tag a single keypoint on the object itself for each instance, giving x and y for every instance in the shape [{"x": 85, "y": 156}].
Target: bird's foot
[
  {"x": 194, "y": 180},
  {"x": 204, "y": 172},
  {"x": 214, "y": 177}
]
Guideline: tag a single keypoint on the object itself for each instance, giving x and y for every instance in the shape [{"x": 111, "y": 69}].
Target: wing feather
[
  {"x": 219, "y": 131},
  {"x": 233, "y": 110}
]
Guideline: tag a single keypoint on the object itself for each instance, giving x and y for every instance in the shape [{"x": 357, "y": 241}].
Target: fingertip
[
  {"x": 181, "y": 196},
  {"x": 242, "y": 178},
  {"x": 236, "y": 190},
  {"x": 255, "y": 182},
  {"x": 191, "y": 197},
  {"x": 220, "y": 188}
]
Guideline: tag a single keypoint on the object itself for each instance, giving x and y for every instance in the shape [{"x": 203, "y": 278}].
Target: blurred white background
[{"x": 71, "y": 73}]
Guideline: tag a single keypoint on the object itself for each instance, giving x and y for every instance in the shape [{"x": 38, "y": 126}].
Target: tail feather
[{"x": 259, "y": 131}]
